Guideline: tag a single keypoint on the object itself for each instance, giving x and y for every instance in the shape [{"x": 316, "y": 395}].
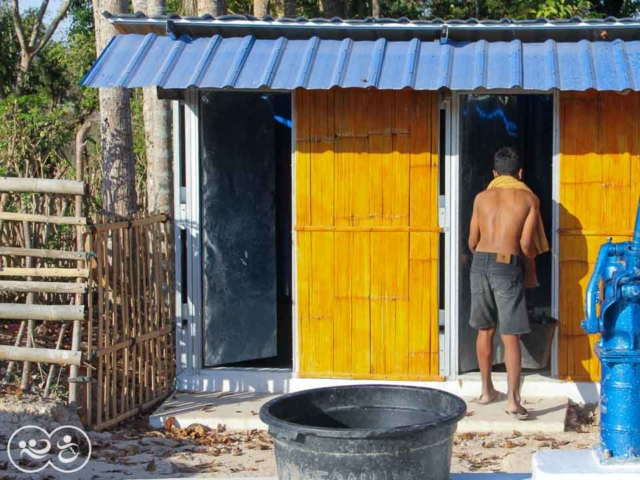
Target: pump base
[{"x": 579, "y": 465}]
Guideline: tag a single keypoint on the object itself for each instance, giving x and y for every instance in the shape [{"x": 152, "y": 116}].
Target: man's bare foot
[
  {"x": 518, "y": 411},
  {"x": 488, "y": 397}
]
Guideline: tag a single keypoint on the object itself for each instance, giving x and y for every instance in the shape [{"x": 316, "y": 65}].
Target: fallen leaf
[
  {"x": 466, "y": 435},
  {"x": 509, "y": 444},
  {"x": 221, "y": 428},
  {"x": 470, "y": 413},
  {"x": 236, "y": 452},
  {"x": 169, "y": 423},
  {"x": 516, "y": 433},
  {"x": 151, "y": 466}
]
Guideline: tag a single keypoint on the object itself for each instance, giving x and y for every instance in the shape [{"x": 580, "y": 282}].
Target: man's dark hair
[{"x": 506, "y": 161}]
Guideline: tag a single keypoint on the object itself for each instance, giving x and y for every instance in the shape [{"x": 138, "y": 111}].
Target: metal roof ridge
[{"x": 370, "y": 23}]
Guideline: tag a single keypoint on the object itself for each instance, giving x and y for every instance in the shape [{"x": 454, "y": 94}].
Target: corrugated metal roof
[
  {"x": 540, "y": 29},
  {"x": 250, "y": 63}
]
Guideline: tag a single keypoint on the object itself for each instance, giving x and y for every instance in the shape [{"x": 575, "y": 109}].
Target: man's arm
[
  {"x": 527, "y": 244},
  {"x": 474, "y": 229}
]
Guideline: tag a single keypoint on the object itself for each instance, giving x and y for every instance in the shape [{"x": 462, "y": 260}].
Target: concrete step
[
  {"x": 239, "y": 411},
  {"x": 545, "y": 415}
]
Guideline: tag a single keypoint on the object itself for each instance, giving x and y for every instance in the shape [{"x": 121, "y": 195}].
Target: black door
[{"x": 238, "y": 228}]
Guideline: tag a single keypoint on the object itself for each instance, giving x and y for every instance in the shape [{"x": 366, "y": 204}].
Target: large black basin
[{"x": 368, "y": 432}]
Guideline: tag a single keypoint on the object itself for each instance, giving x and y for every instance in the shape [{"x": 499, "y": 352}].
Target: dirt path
[{"x": 135, "y": 451}]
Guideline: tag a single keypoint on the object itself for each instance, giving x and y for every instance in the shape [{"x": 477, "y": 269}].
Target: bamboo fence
[
  {"x": 100, "y": 304},
  {"x": 131, "y": 335}
]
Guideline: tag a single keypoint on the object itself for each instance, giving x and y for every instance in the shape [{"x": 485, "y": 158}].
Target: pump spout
[{"x": 636, "y": 230}]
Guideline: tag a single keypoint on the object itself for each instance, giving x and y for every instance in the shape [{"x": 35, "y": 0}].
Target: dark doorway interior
[
  {"x": 488, "y": 123},
  {"x": 246, "y": 229}
]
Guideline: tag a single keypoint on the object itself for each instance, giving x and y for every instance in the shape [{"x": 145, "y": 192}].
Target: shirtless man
[{"x": 502, "y": 240}]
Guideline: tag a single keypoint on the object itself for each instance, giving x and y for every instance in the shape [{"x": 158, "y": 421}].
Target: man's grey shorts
[{"x": 497, "y": 295}]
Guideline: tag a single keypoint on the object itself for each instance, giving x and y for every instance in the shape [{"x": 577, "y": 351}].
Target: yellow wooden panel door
[
  {"x": 599, "y": 180},
  {"x": 367, "y": 235}
]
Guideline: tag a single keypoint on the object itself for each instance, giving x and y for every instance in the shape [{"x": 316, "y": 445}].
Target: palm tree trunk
[
  {"x": 216, "y": 8},
  {"x": 157, "y": 126},
  {"x": 260, "y": 8},
  {"x": 118, "y": 187},
  {"x": 290, "y": 9}
]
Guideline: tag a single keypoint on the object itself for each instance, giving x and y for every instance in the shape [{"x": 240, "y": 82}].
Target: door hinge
[{"x": 442, "y": 212}]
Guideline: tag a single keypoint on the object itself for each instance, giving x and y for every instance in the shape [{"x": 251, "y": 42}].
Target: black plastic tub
[{"x": 367, "y": 432}]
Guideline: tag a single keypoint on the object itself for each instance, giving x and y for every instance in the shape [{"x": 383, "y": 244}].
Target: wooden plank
[
  {"x": 434, "y": 305},
  {"x": 42, "y": 253},
  {"x": 44, "y": 272},
  {"x": 41, "y": 185},
  {"x": 322, "y": 183},
  {"x": 303, "y": 250},
  {"x": 378, "y": 311},
  {"x": 395, "y": 189},
  {"x": 19, "y": 311},
  {"x": 41, "y": 355},
  {"x": 42, "y": 287},
  {"x": 360, "y": 268},
  {"x": 28, "y": 217},
  {"x": 420, "y": 292},
  {"x": 343, "y": 209},
  {"x": 399, "y": 301},
  {"x": 321, "y": 301},
  {"x": 342, "y": 329},
  {"x": 136, "y": 222}
]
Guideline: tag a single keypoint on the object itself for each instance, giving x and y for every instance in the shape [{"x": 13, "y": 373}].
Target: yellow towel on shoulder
[
  {"x": 508, "y": 182},
  {"x": 539, "y": 239}
]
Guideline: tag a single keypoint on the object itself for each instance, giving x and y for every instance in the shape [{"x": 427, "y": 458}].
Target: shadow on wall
[{"x": 576, "y": 360}]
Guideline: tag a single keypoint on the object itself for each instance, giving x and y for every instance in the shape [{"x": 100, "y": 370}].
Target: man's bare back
[{"x": 504, "y": 221}]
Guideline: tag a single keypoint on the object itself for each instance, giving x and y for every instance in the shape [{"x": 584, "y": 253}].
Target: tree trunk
[
  {"x": 290, "y": 9},
  {"x": 217, "y": 8},
  {"x": 157, "y": 127},
  {"x": 139, "y": 5},
  {"x": 23, "y": 69},
  {"x": 118, "y": 183},
  {"x": 260, "y": 8},
  {"x": 333, "y": 8},
  {"x": 375, "y": 8}
]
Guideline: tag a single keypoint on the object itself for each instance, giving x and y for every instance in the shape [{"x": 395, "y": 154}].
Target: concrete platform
[
  {"x": 578, "y": 465},
  {"x": 545, "y": 415},
  {"x": 239, "y": 411},
  {"x": 280, "y": 380}
]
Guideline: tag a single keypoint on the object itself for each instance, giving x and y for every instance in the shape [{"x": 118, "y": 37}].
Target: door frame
[{"x": 451, "y": 228}]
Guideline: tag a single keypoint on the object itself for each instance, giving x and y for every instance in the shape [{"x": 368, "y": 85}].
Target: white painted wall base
[
  {"x": 579, "y": 465},
  {"x": 270, "y": 380}
]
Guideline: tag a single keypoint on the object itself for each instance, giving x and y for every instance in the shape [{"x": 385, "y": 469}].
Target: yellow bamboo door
[
  {"x": 366, "y": 188},
  {"x": 599, "y": 188}
]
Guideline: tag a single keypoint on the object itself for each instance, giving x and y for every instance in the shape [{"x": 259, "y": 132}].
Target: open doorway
[
  {"x": 488, "y": 123},
  {"x": 246, "y": 229}
]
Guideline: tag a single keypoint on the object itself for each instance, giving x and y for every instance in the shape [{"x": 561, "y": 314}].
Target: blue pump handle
[{"x": 592, "y": 322}]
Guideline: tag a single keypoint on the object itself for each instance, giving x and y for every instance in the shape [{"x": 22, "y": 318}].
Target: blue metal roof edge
[{"x": 248, "y": 63}]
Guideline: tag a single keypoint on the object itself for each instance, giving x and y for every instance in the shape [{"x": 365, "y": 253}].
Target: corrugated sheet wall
[
  {"x": 599, "y": 188},
  {"x": 367, "y": 233}
]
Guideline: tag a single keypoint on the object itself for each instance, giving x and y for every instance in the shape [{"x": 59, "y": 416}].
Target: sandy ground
[{"x": 135, "y": 451}]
